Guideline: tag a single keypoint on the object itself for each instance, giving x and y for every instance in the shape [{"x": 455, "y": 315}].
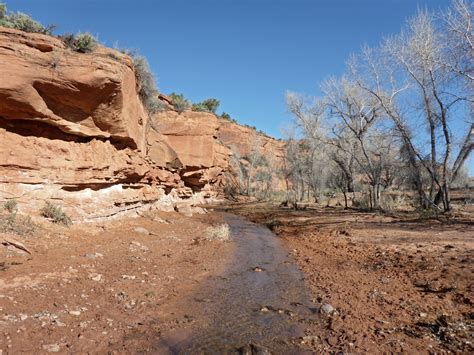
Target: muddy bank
[
  {"x": 92, "y": 287},
  {"x": 398, "y": 284},
  {"x": 152, "y": 284}
]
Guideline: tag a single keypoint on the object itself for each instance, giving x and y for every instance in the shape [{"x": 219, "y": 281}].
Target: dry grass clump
[
  {"x": 55, "y": 214},
  {"x": 11, "y": 205},
  {"x": 220, "y": 232},
  {"x": 17, "y": 224}
]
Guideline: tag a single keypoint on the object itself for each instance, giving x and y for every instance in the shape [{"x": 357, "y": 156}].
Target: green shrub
[
  {"x": 180, "y": 103},
  {"x": 11, "y": 205},
  {"x": 23, "y": 22},
  {"x": 84, "y": 43},
  {"x": 55, "y": 214},
  {"x": 209, "y": 105},
  {"x": 3, "y": 11},
  {"x": 226, "y": 116},
  {"x": 199, "y": 108}
]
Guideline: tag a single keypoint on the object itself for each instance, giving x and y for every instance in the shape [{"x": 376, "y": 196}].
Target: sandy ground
[
  {"x": 396, "y": 283},
  {"x": 102, "y": 287}
]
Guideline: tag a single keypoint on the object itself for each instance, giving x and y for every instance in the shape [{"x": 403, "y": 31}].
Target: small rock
[
  {"x": 75, "y": 313},
  {"x": 384, "y": 280},
  {"x": 326, "y": 308},
  {"x": 94, "y": 256},
  {"x": 257, "y": 269},
  {"x": 310, "y": 338},
  {"x": 52, "y": 348},
  {"x": 264, "y": 309},
  {"x": 96, "y": 277},
  {"x": 23, "y": 316},
  {"x": 128, "y": 277},
  {"x": 141, "y": 230},
  {"x": 423, "y": 315}
]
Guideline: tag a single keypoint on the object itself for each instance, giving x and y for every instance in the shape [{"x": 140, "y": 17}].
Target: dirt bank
[
  {"x": 397, "y": 284},
  {"x": 105, "y": 286}
]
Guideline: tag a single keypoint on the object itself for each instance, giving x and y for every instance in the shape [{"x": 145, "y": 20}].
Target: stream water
[{"x": 260, "y": 299}]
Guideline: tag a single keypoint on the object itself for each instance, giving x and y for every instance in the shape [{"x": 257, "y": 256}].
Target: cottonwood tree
[
  {"x": 412, "y": 77},
  {"x": 401, "y": 106}
]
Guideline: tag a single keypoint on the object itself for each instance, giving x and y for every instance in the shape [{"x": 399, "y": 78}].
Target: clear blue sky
[{"x": 246, "y": 53}]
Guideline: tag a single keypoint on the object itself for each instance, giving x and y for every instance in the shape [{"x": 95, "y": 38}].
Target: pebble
[
  {"x": 310, "y": 338},
  {"x": 75, "y": 313},
  {"x": 23, "y": 316},
  {"x": 326, "y": 308},
  {"x": 52, "y": 348},
  {"x": 96, "y": 277},
  {"x": 94, "y": 255},
  {"x": 141, "y": 230}
]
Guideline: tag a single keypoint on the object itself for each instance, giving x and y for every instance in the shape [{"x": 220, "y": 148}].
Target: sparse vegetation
[
  {"x": 209, "y": 105},
  {"x": 23, "y": 22},
  {"x": 147, "y": 85},
  {"x": 55, "y": 214},
  {"x": 84, "y": 43},
  {"x": 17, "y": 224},
  {"x": 227, "y": 117},
  {"x": 11, "y": 205},
  {"x": 180, "y": 103},
  {"x": 220, "y": 232}
]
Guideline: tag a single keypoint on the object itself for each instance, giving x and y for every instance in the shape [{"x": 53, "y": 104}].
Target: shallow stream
[{"x": 260, "y": 299}]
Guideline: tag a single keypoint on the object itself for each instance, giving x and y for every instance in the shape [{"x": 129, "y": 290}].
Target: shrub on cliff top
[
  {"x": 146, "y": 85},
  {"x": 23, "y": 22},
  {"x": 180, "y": 103},
  {"x": 226, "y": 116},
  {"x": 209, "y": 105},
  {"x": 84, "y": 43}
]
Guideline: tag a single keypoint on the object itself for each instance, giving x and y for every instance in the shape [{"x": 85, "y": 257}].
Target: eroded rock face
[
  {"x": 72, "y": 126},
  {"x": 87, "y": 95},
  {"x": 244, "y": 139},
  {"x": 73, "y": 129},
  {"x": 193, "y": 136}
]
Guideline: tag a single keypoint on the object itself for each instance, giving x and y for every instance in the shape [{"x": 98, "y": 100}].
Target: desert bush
[
  {"x": 180, "y": 103},
  {"x": 147, "y": 89},
  {"x": 3, "y": 11},
  {"x": 55, "y": 214},
  {"x": 209, "y": 105},
  {"x": 227, "y": 117},
  {"x": 10, "y": 205},
  {"x": 273, "y": 223},
  {"x": 84, "y": 43},
  {"x": 362, "y": 203},
  {"x": 23, "y": 22},
  {"x": 220, "y": 232},
  {"x": 17, "y": 224}
]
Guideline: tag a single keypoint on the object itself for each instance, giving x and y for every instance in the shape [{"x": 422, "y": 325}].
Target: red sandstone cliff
[{"x": 73, "y": 128}]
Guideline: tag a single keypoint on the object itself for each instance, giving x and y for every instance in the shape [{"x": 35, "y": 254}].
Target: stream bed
[{"x": 258, "y": 305}]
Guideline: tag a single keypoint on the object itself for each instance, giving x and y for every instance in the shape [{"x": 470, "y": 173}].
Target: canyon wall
[{"x": 73, "y": 129}]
